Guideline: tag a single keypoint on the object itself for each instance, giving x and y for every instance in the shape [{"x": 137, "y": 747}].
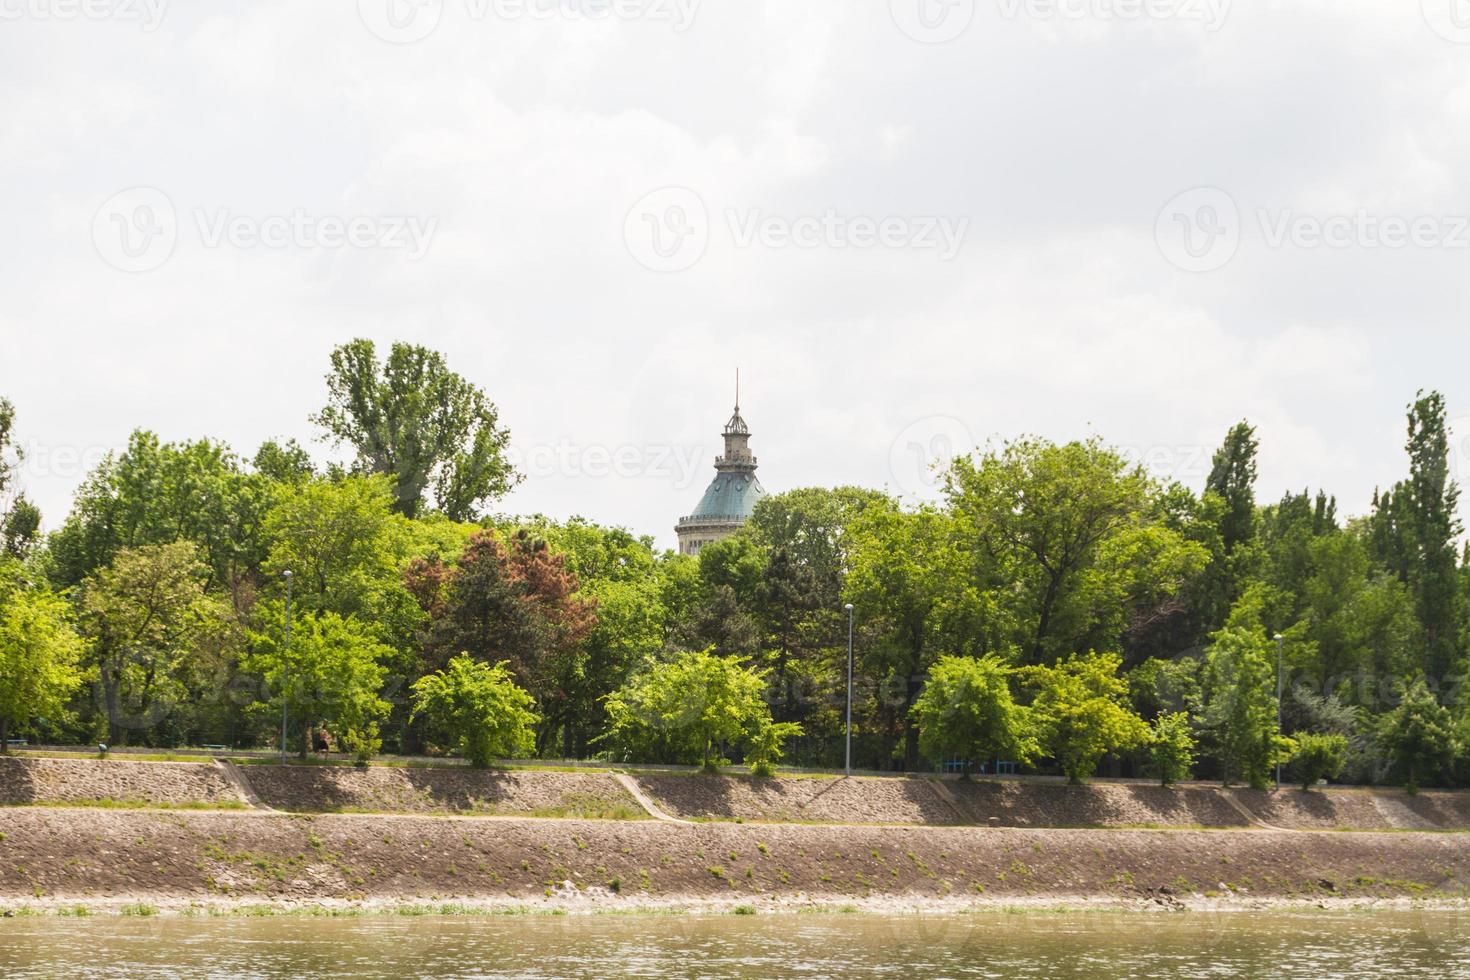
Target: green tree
[
  {"x": 39, "y": 657},
  {"x": 160, "y": 493},
  {"x": 20, "y": 521},
  {"x": 160, "y": 642},
  {"x": 1233, "y": 478},
  {"x": 687, "y": 708},
  {"x": 622, "y": 577},
  {"x": 1319, "y": 757},
  {"x": 1414, "y": 531},
  {"x": 1081, "y": 714},
  {"x": 479, "y": 708},
  {"x": 420, "y": 424},
  {"x": 342, "y": 543},
  {"x": 966, "y": 709},
  {"x": 1171, "y": 747},
  {"x": 1419, "y": 735},
  {"x": 1239, "y": 690},
  {"x": 1068, "y": 541},
  {"x": 912, "y": 597},
  {"x": 328, "y": 673},
  {"x": 514, "y": 599}
]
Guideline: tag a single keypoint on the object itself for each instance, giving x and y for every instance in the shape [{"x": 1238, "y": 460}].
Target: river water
[{"x": 1054, "y": 946}]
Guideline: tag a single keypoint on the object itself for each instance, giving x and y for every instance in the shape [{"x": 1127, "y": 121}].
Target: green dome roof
[{"x": 731, "y": 497}]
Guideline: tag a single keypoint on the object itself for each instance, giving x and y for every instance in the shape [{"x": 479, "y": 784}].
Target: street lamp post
[
  {"x": 1279, "y": 641},
  {"x": 848, "y": 767},
  {"x": 285, "y": 662}
]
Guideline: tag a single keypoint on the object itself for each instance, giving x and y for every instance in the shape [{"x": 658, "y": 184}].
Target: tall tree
[
  {"x": 153, "y": 629},
  {"x": 514, "y": 600},
  {"x": 1414, "y": 531},
  {"x": 39, "y": 656},
  {"x": 1239, "y": 689},
  {"x": 912, "y": 597},
  {"x": 159, "y": 493},
  {"x": 329, "y": 672},
  {"x": 415, "y": 421},
  {"x": 1068, "y": 541},
  {"x": 20, "y": 520},
  {"x": 1233, "y": 478}
]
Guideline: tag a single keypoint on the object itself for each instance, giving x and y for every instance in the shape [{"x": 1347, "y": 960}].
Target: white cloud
[{"x": 528, "y": 141}]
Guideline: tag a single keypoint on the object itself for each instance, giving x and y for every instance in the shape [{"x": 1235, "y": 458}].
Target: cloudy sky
[{"x": 916, "y": 225}]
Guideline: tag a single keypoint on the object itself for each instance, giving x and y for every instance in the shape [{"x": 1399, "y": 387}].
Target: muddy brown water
[{"x": 1050, "y": 945}]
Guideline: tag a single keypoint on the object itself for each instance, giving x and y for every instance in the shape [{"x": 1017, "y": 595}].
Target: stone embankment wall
[
  {"x": 38, "y": 780},
  {"x": 860, "y": 800},
  {"x": 390, "y": 789}
]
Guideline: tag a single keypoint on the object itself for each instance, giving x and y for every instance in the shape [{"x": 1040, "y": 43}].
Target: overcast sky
[{"x": 914, "y": 225}]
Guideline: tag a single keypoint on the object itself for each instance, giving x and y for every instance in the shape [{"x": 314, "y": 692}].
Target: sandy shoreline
[{"x": 585, "y": 905}]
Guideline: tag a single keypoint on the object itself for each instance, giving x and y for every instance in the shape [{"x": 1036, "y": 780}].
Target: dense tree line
[{"x": 1057, "y": 608}]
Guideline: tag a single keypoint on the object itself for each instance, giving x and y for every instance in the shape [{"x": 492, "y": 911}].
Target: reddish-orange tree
[{"x": 512, "y": 599}]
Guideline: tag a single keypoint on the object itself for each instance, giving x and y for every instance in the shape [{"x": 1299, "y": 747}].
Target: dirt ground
[{"x": 59, "y": 855}]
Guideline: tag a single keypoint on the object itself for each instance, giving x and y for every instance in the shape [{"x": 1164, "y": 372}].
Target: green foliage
[
  {"x": 1171, "y": 747},
  {"x": 416, "y": 422},
  {"x": 909, "y": 587},
  {"x": 39, "y": 655},
  {"x": 159, "y": 493},
  {"x": 1319, "y": 757},
  {"x": 1240, "y": 699},
  {"x": 328, "y": 672},
  {"x": 20, "y": 520},
  {"x": 682, "y": 709},
  {"x": 967, "y": 710},
  {"x": 1080, "y": 712},
  {"x": 1419, "y": 735},
  {"x": 512, "y": 598},
  {"x": 159, "y": 641},
  {"x": 1066, "y": 541},
  {"x": 479, "y": 708}
]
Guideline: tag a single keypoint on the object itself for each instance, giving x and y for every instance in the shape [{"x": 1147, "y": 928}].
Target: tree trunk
[{"x": 4, "y": 732}]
